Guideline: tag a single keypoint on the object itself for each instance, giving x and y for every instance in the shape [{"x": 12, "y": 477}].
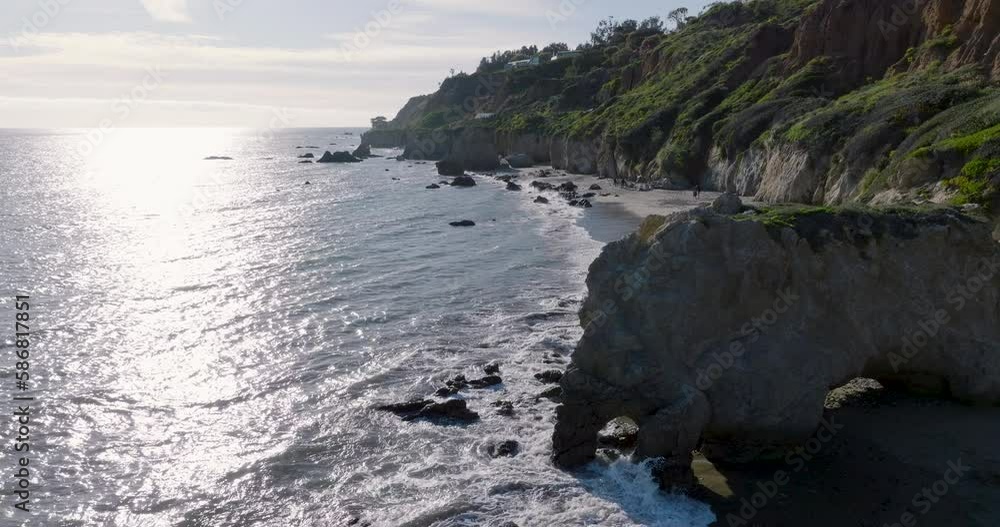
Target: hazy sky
[{"x": 259, "y": 63}]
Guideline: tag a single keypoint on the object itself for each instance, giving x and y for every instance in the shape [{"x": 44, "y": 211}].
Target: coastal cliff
[
  {"x": 725, "y": 333},
  {"x": 813, "y": 101}
]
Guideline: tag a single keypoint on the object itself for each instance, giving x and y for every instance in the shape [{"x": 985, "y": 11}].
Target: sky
[{"x": 261, "y": 63}]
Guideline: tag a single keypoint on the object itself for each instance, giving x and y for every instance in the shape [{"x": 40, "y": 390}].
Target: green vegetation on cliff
[{"x": 746, "y": 87}]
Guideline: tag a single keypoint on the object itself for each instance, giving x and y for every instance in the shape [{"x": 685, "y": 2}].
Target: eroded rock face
[{"x": 727, "y": 333}]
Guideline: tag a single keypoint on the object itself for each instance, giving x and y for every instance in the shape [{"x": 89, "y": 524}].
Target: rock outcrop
[
  {"x": 338, "y": 157},
  {"x": 726, "y": 333}
]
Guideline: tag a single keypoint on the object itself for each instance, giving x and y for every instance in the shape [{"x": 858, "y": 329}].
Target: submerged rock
[
  {"x": 338, "y": 157},
  {"x": 463, "y": 181},
  {"x": 404, "y": 408},
  {"x": 504, "y": 408},
  {"x": 747, "y": 323},
  {"x": 492, "y": 368},
  {"x": 433, "y": 186},
  {"x": 452, "y": 409},
  {"x": 218, "y": 158},
  {"x": 549, "y": 376},
  {"x": 307, "y": 156},
  {"x": 553, "y": 394},
  {"x": 542, "y": 186},
  {"x": 513, "y": 187},
  {"x": 508, "y": 448},
  {"x": 595, "y": 186},
  {"x": 463, "y": 223},
  {"x": 542, "y": 200},
  {"x": 306, "y": 162}
]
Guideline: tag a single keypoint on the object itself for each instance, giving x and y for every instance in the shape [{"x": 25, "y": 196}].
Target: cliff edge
[{"x": 724, "y": 331}]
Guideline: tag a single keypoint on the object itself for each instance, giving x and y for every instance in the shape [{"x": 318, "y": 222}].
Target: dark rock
[
  {"x": 619, "y": 433},
  {"x": 540, "y": 199},
  {"x": 444, "y": 183},
  {"x": 486, "y": 382},
  {"x": 553, "y": 394},
  {"x": 588, "y": 195},
  {"x": 514, "y": 187},
  {"x": 306, "y": 162},
  {"x": 408, "y": 407},
  {"x": 463, "y": 223},
  {"x": 433, "y": 187},
  {"x": 549, "y": 376},
  {"x": 585, "y": 203},
  {"x": 504, "y": 408},
  {"x": 568, "y": 186},
  {"x": 308, "y": 183},
  {"x": 452, "y": 409},
  {"x": 492, "y": 368},
  {"x": 507, "y": 178},
  {"x": 507, "y": 448},
  {"x": 463, "y": 181},
  {"x": 573, "y": 203},
  {"x": 542, "y": 186},
  {"x": 338, "y": 157},
  {"x": 728, "y": 204},
  {"x": 307, "y": 156},
  {"x": 363, "y": 151},
  {"x": 595, "y": 186},
  {"x": 450, "y": 168}
]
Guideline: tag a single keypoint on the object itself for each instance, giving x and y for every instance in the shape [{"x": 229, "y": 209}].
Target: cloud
[
  {"x": 167, "y": 10},
  {"x": 513, "y": 8}
]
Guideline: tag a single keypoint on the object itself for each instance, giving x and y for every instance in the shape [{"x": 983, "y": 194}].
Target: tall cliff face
[
  {"x": 726, "y": 333},
  {"x": 818, "y": 101},
  {"x": 878, "y": 34}
]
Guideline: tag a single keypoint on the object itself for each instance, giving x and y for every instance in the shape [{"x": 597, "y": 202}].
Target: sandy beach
[{"x": 639, "y": 203}]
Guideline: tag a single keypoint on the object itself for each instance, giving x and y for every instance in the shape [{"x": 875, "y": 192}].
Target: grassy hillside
[{"x": 740, "y": 92}]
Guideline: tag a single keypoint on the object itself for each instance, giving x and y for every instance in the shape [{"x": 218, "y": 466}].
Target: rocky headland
[
  {"x": 723, "y": 331},
  {"x": 808, "y": 101},
  {"x": 737, "y": 333}
]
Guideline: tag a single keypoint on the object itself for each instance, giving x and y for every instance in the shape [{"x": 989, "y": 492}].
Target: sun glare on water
[{"x": 153, "y": 170}]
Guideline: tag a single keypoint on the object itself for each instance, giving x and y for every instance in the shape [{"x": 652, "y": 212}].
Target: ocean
[{"x": 209, "y": 337}]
